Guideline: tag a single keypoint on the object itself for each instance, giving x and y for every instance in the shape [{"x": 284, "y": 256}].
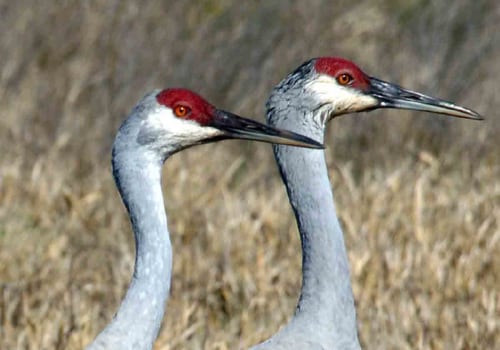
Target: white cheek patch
[
  {"x": 343, "y": 99},
  {"x": 183, "y": 130}
]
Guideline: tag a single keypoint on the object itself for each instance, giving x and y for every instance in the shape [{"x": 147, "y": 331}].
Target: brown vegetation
[{"x": 419, "y": 196}]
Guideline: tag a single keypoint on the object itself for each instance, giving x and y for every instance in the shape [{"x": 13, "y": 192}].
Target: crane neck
[
  {"x": 136, "y": 325},
  {"x": 326, "y": 301}
]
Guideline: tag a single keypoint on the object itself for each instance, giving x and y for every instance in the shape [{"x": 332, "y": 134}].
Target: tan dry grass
[{"x": 418, "y": 198}]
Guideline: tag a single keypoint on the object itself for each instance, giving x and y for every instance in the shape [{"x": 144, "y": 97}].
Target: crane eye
[
  {"x": 181, "y": 111},
  {"x": 344, "y": 79}
]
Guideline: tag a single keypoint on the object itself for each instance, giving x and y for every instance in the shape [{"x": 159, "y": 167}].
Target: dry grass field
[{"x": 418, "y": 195}]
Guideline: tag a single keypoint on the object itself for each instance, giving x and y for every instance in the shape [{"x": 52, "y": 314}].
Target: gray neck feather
[
  {"x": 137, "y": 173},
  {"x": 325, "y": 313}
]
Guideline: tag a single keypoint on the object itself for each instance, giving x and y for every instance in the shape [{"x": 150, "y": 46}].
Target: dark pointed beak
[
  {"x": 237, "y": 127},
  {"x": 393, "y": 96}
]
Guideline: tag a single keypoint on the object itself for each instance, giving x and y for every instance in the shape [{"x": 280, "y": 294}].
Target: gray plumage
[
  {"x": 325, "y": 317},
  {"x": 304, "y": 102},
  {"x": 137, "y": 170},
  {"x": 164, "y": 122}
]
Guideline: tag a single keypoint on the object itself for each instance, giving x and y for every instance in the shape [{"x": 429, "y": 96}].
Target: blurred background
[{"x": 418, "y": 195}]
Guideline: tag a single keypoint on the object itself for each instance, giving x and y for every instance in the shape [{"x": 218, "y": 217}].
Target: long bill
[
  {"x": 393, "y": 96},
  {"x": 238, "y": 127}
]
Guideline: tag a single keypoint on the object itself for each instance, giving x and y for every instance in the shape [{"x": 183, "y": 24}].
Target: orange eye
[
  {"x": 344, "y": 79},
  {"x": 181, "y": 111}
]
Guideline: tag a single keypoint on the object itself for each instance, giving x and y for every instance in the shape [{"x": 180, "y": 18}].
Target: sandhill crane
[
  {"x": 164, "y": 122},
  {"x": 304, "y": 102}
]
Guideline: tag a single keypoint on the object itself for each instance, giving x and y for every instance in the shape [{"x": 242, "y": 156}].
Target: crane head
[
  {"x": 181, "y": 118},
  {"x": 338, "y": 86}
]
